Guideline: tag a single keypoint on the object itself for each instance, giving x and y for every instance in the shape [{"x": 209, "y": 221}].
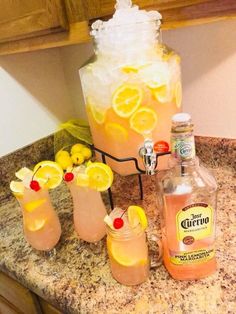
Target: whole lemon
[
  {"x": 77, "y": 158},
  {"x": 86, "y": 152},
  {"x": 64, "y": 161},
  {"x": 76, "y": 148},
  {"x": 62, "y": 153}
]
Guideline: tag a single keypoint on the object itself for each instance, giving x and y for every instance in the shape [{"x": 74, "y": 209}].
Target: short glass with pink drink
[{"x": 127, "y": 246}]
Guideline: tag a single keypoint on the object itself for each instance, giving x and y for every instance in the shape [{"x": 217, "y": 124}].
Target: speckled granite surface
[{"x": 77, "y": 279}]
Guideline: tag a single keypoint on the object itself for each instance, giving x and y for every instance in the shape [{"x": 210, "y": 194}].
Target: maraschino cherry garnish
[
  {"x": 69, "y": 176},
  {"x": 34, "y": 185},
  {"x": 118, "y": 223}
]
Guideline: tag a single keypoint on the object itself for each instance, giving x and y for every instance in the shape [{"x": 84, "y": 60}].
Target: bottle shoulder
[{"x": 183, "y": 178}]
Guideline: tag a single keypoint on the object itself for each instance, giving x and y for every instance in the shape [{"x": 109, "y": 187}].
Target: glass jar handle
[{"x": 155, "y": 251}]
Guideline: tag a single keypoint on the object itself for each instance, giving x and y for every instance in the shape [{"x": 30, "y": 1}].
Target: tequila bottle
[{"x": 188, "y": 199}]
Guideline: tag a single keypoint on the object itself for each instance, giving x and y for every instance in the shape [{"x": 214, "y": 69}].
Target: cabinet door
[
  {"x": 16, "y": 298},
  {"x": 24, "y": 18},
  {"x": 175, "y": 13},
  {"x": 100, "y": 8},
  {"x": 6, "y": 307}
]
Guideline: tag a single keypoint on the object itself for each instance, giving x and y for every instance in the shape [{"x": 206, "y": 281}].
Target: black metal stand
[{"x": 140, "y": 171}]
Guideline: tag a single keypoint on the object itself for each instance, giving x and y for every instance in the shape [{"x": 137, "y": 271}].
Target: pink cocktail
[
  {"x": 89, "y": 212},
  {"x": 42, "y": 227}
]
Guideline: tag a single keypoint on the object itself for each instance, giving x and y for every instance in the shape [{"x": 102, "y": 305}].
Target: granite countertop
[{"x": 78, "y": 280}]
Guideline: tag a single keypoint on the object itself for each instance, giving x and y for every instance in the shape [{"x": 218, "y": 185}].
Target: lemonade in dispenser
[{"x": 133, "y": 86}]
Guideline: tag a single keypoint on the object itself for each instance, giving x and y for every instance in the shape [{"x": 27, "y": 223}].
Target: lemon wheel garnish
[
  {"x": 100, "y": 176},
  {"x": 35, "y": 224},
  {"x": 178, "y": 94},
  {"x": 31, "y": 206},
  {"x": 126, "y": 256},
  {"x": 49, "y": 173},
  {"x": 144, "y": 120},
  {"x": 136, "y": 215},
  {"x": 126, "y": 100},
  {"x": 17, "y": 188},
  {"x": 116, "y": 132}
]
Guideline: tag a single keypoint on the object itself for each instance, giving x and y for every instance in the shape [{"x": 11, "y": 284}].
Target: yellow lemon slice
[
  {"x": 178, "y": 94},
  {"x": 35, "y": 224},
  {"x": 137, "y": 215},
  {"x": 144, "y": 120},
  {"x": 82, "y": 179},
  {"x": 23, "y": 172},
  {"x": 162, "y": 94},
  {"x": 126, "y": 100},
  {"x": 130, "y": 69},
  {"x": 126, "y": 255},
  {"x": 98, "y": 114},
  {"x": 116, "y": 132},
  {"x": 100, "y": 176},
  {"x": 31, "y": 206},
  {"x": 17, "y": 188},
  {"x": 49, "y": 172}
]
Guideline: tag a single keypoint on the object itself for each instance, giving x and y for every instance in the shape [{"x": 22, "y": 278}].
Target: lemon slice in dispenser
[
  {"x": 144, "y": 120},
  {"x": 116, "y": 132},
  {"x": 126, "y": 100},
  {"x": 178, "y": 94}
]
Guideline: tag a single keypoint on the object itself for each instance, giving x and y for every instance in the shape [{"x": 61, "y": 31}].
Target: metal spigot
[{"x": 149, "y": 156}]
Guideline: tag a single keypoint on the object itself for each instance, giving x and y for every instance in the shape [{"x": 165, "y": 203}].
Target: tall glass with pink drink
[
  {"x": 86, "y": 184},
  {"x": 41, "y": 224}
]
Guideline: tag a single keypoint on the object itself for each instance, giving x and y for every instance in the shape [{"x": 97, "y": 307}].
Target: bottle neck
[{"x": 183, "y": 145}]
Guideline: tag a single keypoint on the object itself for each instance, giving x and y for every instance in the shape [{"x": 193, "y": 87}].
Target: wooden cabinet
[
  {"x": 38, "y": 24},
  {"x": 176, "y": 13},
  {"x": 24, "y": 19},
  {"x": 16, "y": 299}
]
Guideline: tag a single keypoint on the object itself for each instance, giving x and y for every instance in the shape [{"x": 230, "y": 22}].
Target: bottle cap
[{"x": 181, "y": 117}]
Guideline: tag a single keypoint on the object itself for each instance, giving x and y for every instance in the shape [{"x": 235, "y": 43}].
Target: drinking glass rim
[{"x": 126, "y": 234}]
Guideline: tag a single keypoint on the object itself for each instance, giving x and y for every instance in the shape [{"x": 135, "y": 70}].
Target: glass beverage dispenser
[{"x": 133, "y": 86}]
